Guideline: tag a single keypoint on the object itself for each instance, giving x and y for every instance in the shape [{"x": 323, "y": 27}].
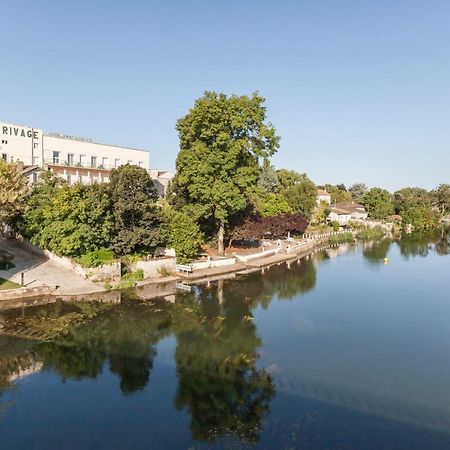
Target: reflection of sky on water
[
  {"x": 378, "y": 330},
  {"x": 353, "y": 345}
]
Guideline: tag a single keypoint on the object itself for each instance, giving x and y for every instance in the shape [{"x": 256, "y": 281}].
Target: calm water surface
[{"x": 336, "y": 351}]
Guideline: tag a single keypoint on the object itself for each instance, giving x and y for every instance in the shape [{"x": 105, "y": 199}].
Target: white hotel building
[{"x": 76, "y": 160}]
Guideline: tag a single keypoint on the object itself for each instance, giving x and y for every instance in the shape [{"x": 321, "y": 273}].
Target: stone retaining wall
[{"x": 26, "y": 292}]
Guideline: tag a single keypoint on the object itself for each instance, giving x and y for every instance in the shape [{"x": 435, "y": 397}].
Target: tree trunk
[{"x": 220, "y": 236}]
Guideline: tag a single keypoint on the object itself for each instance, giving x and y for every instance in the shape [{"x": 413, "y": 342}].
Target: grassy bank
[
  {"x": 6, "y": 284},
  {"x": 371, "y": 234},
  {"x": 344, "y": 238}
]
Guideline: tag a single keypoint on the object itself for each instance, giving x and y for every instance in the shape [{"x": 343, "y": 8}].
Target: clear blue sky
[{"x": 359, "y": 90}]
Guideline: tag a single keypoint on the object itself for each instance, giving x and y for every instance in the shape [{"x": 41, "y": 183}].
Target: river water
[{"x": 338, "y": 350}]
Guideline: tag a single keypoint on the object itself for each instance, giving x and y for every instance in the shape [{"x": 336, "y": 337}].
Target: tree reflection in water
[
  {"x": 219, "y": 383},
  {"x": 421, "y": 243},
  {"x": 376, "y": 251},
  {"x": 125, "y": 336},
  {"x": 216, "y": 356}
]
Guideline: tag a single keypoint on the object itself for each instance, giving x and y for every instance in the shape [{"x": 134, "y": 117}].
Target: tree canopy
[
  {"x": 69, "y": 220},
  {"x": 378, "y": 203},
  {"x": 14, "y": 191},
  {"x": 255, "y": 228},
  {"x": 415, "y": 206},
  {"x": 221, "y": 140},
  {"x": 137, "y": 217},
  {"x": 302, "y": 196},
  {"x": 358, "y": 191}
]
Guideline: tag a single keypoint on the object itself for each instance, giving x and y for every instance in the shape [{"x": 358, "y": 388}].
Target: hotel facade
[{"x": 77, "y": 160}]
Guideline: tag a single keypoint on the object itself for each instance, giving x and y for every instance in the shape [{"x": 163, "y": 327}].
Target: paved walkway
[{"x": 40, "y": 271}]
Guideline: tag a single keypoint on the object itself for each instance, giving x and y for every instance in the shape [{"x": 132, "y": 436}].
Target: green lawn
[{"x": 6, "y": 284}]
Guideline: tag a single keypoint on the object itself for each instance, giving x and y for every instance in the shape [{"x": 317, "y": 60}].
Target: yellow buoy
[{"x": 386, "y": 260}]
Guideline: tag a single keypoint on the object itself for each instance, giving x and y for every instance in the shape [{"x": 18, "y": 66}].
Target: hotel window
[
  {"x": 4, "y": 157},
  {"x": 93, "y": 161},
  {"x": 69, "y": 179},
  {"x": 117, "y": 162},
  {"x": 80, "y": 179},
  {"x": 105, "y": 163},
  {"x": 141, "y": 164},
  {"x": 55, "y": 157},
  {"x": 83, "y": 160},
  {"x": 70, "y": 159},
  {"x": 35, "y": 160}
]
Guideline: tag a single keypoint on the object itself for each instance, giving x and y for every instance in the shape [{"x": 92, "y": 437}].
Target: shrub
[
  {"x": 130, "y": 279},
  {"x": 96, "y": 258},
  {"x": 341, "y": 238},
  {"x": 184, "y": 236},
  {"x": 336, "y": 226},
  {"x": 164, "y": 271},
  {"x": 371, "y": 234}
]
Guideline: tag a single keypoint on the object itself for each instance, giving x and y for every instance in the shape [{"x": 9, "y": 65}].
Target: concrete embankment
[{"x": 75, "y": 288}]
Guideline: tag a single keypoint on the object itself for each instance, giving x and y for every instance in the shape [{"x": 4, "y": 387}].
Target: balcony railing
[{"x": 81, "y": 165}]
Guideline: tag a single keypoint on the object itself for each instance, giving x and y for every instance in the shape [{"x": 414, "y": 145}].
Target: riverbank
[{"x": 285, "y": 251}]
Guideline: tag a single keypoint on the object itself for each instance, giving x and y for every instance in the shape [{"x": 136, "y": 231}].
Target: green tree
[
  {"x": 441, "y": 198},
  {"x": 268, "y": 178},
  {"x": 379, "y": 203},
  {"x": 302, "y": 196},
  {"x": 358, "y": 191},
  {"x": 415, "y": 206},
  {"x": 42, "y": 194},
  {"x": 14, "y": 191},
  {"x": 338, "y": 193},
  {"x": 321, "y": 213},
  {"x": 184, "y": 236},
  {"x": 273, "y": 205},
  {"x": 288, "y": 178},
  {"x": 137, "y": 217},
  {"x": 221, "y": 140},
  {"x": 76, "y": 220}
]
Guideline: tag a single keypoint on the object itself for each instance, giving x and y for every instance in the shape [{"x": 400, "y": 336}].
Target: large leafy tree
[
  {"x": 74, "y": 221},
  {"x": 137, "y": 217},
  {"x": 301, "y": 196},
  {"x": 222, "y": 139},
  {"x": 43, "y": 193},
  {"x": 415, "y": 206},
  {"x": 14, "y": 191},
  {"x": 379, "y": 203},
  {"x": 272, "y": 205}
]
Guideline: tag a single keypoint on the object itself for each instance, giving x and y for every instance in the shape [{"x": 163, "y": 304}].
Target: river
[{"x": 338, "y": 350}]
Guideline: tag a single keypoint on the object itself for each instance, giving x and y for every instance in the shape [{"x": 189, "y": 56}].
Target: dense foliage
[
  {"x": 378, "y": 203},
  {"x": 221, "y": 139},
  {"x": 415, "y": 206},
  {"x": 302, "y": 196},
  {"x": 137, "y": 217},
  {"x": 358, "y": 191},
  {"x": 255, "y": 228},
  {"x": 184, "y": 236},
  {"x": 339, "y": 193},
  {"x": 14, "y": 191},
  {"x": 74, "y": 221}
]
